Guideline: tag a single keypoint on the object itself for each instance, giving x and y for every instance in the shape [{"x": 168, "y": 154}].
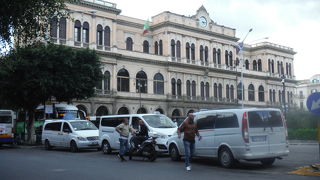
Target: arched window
[
  {"x": 107, "y": 38},
  {"x": 106, "y": 82},
  {"x": 269, "y": 65},
  {"x": 215, "y": 89},
  {"x": 173, "y": 48},
  {"x": 77, "y": 31},
  {"x": 193, "y": 55},
  {"x": 230, "y": 59},
  {"x": 240, "y": 90},
  {"x": 102, "y": 111},
  {"x": 145, "y": 46},
  {"x": 270, "y": 95},
  {"x": 207, "y": 90},
  {"x": 219, "y": 56},
  {"x": 237, "y": 62},
  {"x": 187, "y": 50},
  {"x": 179, "y": 87},
  {"x": 99, "y": 35},
  {"x": 259, "y": 65},
  {"x": 173, "y": 86},
  {"x": 188, "y": 86},
  {"x": 254, "y": 65},
  {"x": 178, "y": 49},
  {"x": 85, "y": 32},
  {"x": 247, "y": 64},
  {"x": 160, "y": 48},
  {"x": 158, "y": 84},
  {"x": 227, "y": 92},
  {"x": 142, "y": 111},
  {"x": 202, "y": 89},
  {"x": 232, "y": 92},
  {"x": 290, "y": 69},
  {"x": 214, "y": 55},
  {"x": 123, "y": 110},
  {"x": 129, "y": 44},
  {"x": 201, "y": 54},
  {"x": 272, "y": 66},
  {"x": 54, "y": 27},
  {"x": 274, "y": 95},
  {"x": 226, "y": 58},
  {"x": 220, "y": 91},
  {"x": 141, "y": 82},
  {"x": 206, "y": 54},
  {"x": 123, "y": 80},
  {"x": 251, "y": 92},
  {"x": 156, "y": 48},
  {"x": 194, "y": 93},
  {"x": 63, "y": 28},
  {"x": 261, "y": 94}
]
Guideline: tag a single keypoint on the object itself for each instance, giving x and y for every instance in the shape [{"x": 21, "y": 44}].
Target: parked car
[
  {"x": 158, "y": 124},
  {"x": 73, "y": 134},
  {"x": 238, "y": 134}
]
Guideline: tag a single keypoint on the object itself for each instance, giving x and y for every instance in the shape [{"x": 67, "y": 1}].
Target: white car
[
  {"x": 158, "y": 124},
  {"x": 238, "y": 134},
  {"x": 73, "y": 134}
]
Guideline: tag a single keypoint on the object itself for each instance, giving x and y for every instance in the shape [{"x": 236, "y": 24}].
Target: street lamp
[
  {"x": 283, "y": 78},
  {"x": 140, "y": 85}
]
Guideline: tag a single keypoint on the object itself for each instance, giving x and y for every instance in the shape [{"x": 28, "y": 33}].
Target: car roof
[
  {"x": 63, "y": 120},
  {"x": 235, "y": 110},
  {"x": 127, "y": 115}
]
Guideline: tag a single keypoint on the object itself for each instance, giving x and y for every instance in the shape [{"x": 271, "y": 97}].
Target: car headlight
[{"x": 81, "y": 138}]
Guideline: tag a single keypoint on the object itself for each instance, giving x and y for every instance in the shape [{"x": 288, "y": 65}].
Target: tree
[
  {"x": 28, "y": 19},
  {"x": 33, "y": 74}
]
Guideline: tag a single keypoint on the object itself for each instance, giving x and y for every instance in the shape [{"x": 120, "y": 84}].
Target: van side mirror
[{"x": 67, "y": 130}]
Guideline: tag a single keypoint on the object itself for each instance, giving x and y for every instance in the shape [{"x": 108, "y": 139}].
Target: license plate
[
  {"x": 94, "y": 143},
  {"x": 258, "y": 138}
]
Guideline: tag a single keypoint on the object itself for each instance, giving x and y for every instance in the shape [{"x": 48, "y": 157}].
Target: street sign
[{"x": 313, "y": 103}]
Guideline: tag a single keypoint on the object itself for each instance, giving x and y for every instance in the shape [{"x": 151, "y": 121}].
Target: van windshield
[
  {"x": 261, "y": 119},
  {"x": 5, "y": 119},
  {"x": 159, "y": 121},
  {"x": 83, "y": 125}
]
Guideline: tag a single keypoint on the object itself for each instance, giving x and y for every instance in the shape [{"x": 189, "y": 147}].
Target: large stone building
[
  {"x": 305, "y": 88},
  {"x": 183, "y": 63}
]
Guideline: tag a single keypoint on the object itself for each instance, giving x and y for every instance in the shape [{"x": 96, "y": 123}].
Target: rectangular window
[
  {"x": 226, "y": 120},
  {"x": 53, "y": 126},
  {"x": 111, "y": 122},
  {"x": 262, "y": 119},
  {"x": 206, "y": 122}
]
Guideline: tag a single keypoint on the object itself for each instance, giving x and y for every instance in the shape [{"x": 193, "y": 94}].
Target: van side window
[
  {"x": 206, "y": 122},
  {"x": 256, "y": 119},
  {"x": 65, "y": 127},
  {"x": 226, "y": 120},
  {"x": 275, "y": 119},
  {"x": 111, "y": 122},
  {"x": 53, "y": 126}
]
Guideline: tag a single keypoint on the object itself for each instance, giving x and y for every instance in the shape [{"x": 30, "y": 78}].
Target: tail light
[
  {"x": 285, "y": 125},
  {"x": 245, "y": 132}
]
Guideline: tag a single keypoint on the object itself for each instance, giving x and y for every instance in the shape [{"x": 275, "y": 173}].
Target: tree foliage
[
  {"x": 301, "y": 119},
  {"x": 28, "y": 19}
]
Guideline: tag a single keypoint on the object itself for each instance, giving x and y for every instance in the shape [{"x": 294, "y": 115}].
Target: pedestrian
[
  {"x": 124, "y": 129},
  {"x": 189, "y": 127}
]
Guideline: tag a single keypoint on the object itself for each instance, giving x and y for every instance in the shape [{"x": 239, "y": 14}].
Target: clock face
[{"x": 203, "y": 21}]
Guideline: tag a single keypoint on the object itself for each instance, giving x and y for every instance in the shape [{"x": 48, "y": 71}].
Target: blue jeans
[
  {"x": 188, "y": 151},
  {"x": 124, "y": 146}
]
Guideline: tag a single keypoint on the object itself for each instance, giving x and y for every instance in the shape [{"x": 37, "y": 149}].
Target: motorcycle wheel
[{"x": 152, "y": 153}]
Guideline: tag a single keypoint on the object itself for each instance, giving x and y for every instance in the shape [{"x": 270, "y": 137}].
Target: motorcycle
[{"x": 147, "y": 149}]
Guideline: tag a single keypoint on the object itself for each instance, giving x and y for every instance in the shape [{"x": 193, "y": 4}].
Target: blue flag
[{"x": 239, "y": 47}]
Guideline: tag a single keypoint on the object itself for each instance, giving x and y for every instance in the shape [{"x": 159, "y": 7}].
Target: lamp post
[
  {"x": 284, "y": 94},
  {"x": 242, "y": 65},
  {"x": 139, "y": 89}
]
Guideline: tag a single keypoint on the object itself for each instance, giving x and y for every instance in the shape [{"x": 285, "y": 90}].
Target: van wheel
[
  {"x": 226, "y": 158},
  {"x": 268, "y": 161},
  {"x": 174, "y": 153},
  {"x": 47, "y": 145},
  {"x": 106, "y": 148},
  {"x": 73, "y": 147}
]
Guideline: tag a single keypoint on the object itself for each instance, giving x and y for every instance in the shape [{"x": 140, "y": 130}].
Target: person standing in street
[
  {"x": 189, "y": 127},
  {"x": 124, "y": 129}
]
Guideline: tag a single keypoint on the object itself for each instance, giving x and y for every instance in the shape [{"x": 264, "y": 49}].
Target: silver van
[
  {"x": 238, "y": 134},
  {"x": 158, "y": 124}
]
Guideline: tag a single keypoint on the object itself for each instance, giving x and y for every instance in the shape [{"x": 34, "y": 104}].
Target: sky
[{"x": 292, "y": 23}]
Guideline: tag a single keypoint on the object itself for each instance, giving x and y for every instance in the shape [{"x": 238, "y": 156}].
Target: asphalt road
[{"x": 36, "y": 163}]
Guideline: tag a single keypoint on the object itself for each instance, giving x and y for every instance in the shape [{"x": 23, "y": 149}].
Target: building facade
[
  {"x": 184, "y": 63},
  {"x": 305, "y": 88}
]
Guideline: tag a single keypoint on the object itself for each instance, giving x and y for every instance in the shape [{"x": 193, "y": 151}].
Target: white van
[
  {"x": 238, "y": 134},
  {"x": 73, "y": 134},
  {"x": 158, "y": 124}
]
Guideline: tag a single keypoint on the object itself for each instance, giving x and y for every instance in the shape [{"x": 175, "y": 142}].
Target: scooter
[{"x": 147, "y": 149}]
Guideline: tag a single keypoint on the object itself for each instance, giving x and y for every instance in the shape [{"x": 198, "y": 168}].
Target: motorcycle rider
[{"x": 141, "y": 135}]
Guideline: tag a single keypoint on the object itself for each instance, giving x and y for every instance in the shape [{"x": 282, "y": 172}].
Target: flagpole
[{"x": 242, "y": 58}]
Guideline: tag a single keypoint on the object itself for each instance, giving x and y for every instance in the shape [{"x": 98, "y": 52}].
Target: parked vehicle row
[{"x": 230, "y": 135}]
